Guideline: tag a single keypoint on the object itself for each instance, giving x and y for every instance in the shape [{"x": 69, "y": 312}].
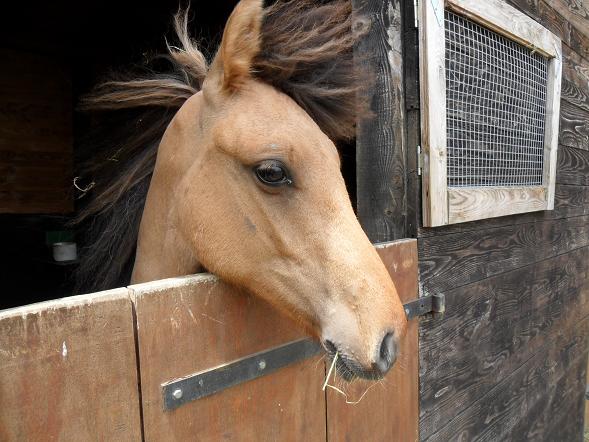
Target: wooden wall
[
  {"x": 381, "y": 154},
  {"x": 509, "y": 358},
  {"x": 35, "y": 133}
]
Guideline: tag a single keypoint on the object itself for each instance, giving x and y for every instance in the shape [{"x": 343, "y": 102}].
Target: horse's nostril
[
  {"x": 387, "y": 354},
  {"x": 330, "y": 347}
]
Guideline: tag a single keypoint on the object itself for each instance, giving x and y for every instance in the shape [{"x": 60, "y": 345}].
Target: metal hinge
[
  {"x": 419, "y": 160},
  {"x": 199, "y": 385},
  {"x": 415, "y": 14},
  {"x": 427, "y": 304}
]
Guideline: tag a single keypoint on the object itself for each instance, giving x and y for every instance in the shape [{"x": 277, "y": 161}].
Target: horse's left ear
[{"x": 240, "y": 43}]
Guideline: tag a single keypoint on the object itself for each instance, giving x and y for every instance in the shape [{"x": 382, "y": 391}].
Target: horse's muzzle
[{"x": 348, "y": 368}]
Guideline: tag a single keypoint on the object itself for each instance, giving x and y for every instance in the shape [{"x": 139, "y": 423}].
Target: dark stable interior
[{"x": 87, "y": 40}]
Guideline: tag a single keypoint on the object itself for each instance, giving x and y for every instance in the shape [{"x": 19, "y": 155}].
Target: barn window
[{"x": 490, "y": 91}]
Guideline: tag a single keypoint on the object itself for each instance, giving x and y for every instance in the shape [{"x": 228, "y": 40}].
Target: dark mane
[{"x": 306, "y": 53}]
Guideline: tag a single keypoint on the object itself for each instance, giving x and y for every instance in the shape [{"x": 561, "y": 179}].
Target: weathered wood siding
[
  {"x": 380, "y": 141},
  {"x": 509, "y": 358}
]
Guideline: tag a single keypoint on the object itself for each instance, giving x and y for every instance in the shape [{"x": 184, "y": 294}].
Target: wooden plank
[
  {"x": 36, "y": 159},
  {"x": 502, "y": 18},
  {"x": 573, "y": 166},
  {"x": 575, "y": 11},
  {"x": 557, "y": 412},
  {"x": 468, "y": 204},
  {"x": 433, "y": 112},
  {"x": 412, "y": 117},
  {"x": 380, "y": 140},
  {"x": 574, "y": 126},
  {"x": 572, "y": 201},
  {"x": 507, "y": 319},
  {"x": 553, "y": 86},
  {"x": 451, "y": 261},
  {"x": 68, "y": 370},
  {"x": 496, "y": 415},
  {"x": 570, "y": 198},
  {"x": 545, "y": 14},
  {"x": 576, "y": 79},
  {"x": 389, "y": 410},
  {"x": 189, "y": 324}
]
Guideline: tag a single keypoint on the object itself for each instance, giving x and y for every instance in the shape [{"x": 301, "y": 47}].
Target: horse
[{"x": 231, "y": 167}]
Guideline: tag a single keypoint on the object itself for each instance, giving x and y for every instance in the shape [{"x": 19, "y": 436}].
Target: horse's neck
[{"x": 162, "y": 252}]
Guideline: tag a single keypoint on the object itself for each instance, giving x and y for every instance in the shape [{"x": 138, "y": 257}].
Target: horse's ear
[{"x": 240, "y": 43}]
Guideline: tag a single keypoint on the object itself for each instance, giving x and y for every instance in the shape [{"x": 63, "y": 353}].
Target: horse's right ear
[{"x": 240, "y": 45}]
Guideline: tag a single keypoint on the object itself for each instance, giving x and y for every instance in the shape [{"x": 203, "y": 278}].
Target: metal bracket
[
  {"x": 427, "y": 304},
  {"x": 213, "y": 380},
  {"x": 419, "y": 160}
]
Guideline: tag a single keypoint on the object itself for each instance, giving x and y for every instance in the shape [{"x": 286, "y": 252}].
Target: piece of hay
[{"x": 326, "y": 384}]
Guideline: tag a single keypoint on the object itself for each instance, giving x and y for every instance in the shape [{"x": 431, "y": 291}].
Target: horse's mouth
[{"x": 348, "y": 369}]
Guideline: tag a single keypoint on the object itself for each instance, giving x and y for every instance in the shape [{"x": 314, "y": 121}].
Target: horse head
[{"x": 248, "y": 186}]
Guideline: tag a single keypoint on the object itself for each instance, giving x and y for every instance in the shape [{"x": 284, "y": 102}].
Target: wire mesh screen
[{"x": 495, "y": 108}]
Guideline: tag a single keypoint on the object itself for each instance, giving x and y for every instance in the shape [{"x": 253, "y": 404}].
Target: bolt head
[
  {"x": 262, "y": 365},
  {"x": 177, "y": 393}
]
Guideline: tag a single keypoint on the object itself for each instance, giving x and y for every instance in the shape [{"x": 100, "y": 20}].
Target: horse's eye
[{"x": 272, "y": 173}]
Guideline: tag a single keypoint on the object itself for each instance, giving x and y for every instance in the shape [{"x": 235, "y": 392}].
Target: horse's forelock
[{"x": 307, "y": 53}]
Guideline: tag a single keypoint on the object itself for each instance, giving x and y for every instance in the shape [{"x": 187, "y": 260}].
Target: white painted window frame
[{"x": 443, "y": 205}]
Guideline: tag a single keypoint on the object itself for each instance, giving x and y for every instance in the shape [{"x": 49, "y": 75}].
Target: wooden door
[
  {"x": 189, "y": 324},
  {"x": 68, "y": 370},
  {"x": 186, "y": 325},
  {"x": 389, "y": 410}
]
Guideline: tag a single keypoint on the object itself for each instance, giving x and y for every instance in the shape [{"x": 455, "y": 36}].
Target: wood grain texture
[
  {"x": 572, "y": 201},
  {"x": 502, "y": 412},
  {"x": 468, "y": 204},
  {"x": 389, "y": 410},
  {"x": 573, "y": 166},
  {"x": 507, "y": 362},
  {"x": 555, "y": 413},
  {"x": 68, "y": 370},
  {"x": 574, "y": 126},
  {"x": 570, "y": 198},
  {"x": 412, "y": 117},
  {"x": 380, "y": 139},
  {"x": 544, "y": 13},
  {"x": 433, "y": 112},
  {"x": 451, "y": 261},
  {"x": 502, "y": 18},
  {"x": 485, "y": 369},
  {"x": 189, "y": 324},
  {"x": 35, "y": 134},
  {"x": 553, "y": 93},
  {"x": 575, "y": 86},
  {"x": 575, "y": 11}
]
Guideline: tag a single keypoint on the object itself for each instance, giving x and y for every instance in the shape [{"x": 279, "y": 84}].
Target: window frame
[{"x": 448, "y": 205}]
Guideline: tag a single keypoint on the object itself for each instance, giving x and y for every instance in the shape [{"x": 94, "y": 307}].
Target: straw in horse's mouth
[
  {"x": 348, "y": 369},
  {"x": 326, "y": 384}
]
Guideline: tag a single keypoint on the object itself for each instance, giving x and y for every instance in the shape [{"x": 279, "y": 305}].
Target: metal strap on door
[{"x": 213, "y": 380}]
